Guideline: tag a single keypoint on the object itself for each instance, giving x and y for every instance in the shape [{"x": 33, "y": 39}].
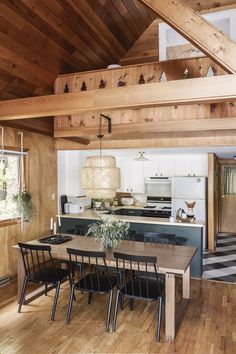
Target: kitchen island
[{"x": 193, "y": 232}]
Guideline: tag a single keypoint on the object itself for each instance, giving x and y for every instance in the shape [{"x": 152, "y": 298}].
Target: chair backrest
[
  {"x": 158, "y": 237},
  {"x": 131, "y": 235},
  {"x": 35, "y": 258},
  {"x": 90, "y": 266},
  {"x": 139, "y": 276},
  {"x": 80, "y": 230}
]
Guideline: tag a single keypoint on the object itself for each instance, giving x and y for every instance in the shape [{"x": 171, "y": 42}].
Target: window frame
[{"x": 24, "y": 178}]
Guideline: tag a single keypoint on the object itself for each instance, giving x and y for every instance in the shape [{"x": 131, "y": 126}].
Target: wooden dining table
[{"x": 171, "y": 260}]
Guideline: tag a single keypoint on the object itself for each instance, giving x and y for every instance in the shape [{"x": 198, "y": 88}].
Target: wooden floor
[{"x": 209, "y": 325}]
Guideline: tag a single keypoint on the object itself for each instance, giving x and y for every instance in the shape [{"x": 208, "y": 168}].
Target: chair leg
[
  {"x": 46, "y": 289},
  {"x": 55, "y": 301},
  {"x": 90, "y": 296},
  {"x": 131, "y": 304},
  {"x": 71, "y": 284},
  {"x": 109, "y": 310},
  {"x": 22, "y": 295},
  {"x": 121, "y": 299},
  {"x": 159, "y": 320},
  {"x": 115, "y": 311},
  {"x": 70, "y": 304}
]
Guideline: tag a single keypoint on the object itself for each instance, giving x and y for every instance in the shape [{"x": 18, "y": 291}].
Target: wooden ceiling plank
[
  {"x": 179, "y": 92},
  {"x": 110, "y": 20},
  {"x": 82, "y": 31},
  {"x": 41, "y": 75},
  {"x": 197, "y": 30},
  {"x": 99, "y": 27},
  {"x": 37, "y": 126},
  {"x": 132, "y": 18},
  {"x": 56, "y": 33},
  {"x": 189, "y": 125}
]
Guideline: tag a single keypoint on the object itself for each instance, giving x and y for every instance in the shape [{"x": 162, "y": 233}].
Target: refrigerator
[{"x": 190, "y": 189}]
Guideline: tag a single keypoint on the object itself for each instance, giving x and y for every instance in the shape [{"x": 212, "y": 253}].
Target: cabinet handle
[{"x": 131, "y": 190}]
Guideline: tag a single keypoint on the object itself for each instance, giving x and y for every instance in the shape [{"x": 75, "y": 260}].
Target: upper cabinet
[
  {"x": 159, "y": 166},
  {"x": 191, "y": 165},
  {"x": 131, "y": 174}
]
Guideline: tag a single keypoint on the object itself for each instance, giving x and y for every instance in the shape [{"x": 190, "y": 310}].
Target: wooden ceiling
[{"x": 41, "y": 39}]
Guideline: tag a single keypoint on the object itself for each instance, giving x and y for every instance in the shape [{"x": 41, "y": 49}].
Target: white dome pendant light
[{"x": 100, "y": 178}]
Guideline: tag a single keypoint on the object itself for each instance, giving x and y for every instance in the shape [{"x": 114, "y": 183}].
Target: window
[
  {"x": 173, "y": 46},
  {"x": 230, "y": 180},
  {"x": 9, "y": 183}
]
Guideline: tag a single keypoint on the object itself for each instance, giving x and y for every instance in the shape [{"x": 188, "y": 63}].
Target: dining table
[{"x": 172, "y": 261}]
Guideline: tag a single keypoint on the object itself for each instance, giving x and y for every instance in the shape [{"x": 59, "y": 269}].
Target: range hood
[{"x": 152, "y": 180}]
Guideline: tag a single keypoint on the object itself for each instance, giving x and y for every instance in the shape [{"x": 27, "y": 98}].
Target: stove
[{"x": 157, "y": 207}]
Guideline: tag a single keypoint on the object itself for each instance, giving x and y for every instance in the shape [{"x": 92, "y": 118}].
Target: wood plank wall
[
  {"x": 42, "y": 184},
  {"x": 174, "y": 70}
]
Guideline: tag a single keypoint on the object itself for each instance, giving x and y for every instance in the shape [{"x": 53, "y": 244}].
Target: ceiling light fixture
[
  {"x": 100, "y": 178},
  {"x": 141, "y": 157}
]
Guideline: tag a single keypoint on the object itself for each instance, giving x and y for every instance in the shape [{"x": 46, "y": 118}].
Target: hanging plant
[{"x": 24, "y": 205}]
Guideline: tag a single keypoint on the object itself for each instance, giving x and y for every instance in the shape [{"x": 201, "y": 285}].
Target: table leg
[
  {"x": 170, "y": 306},
  {"x": 21, "y": 274},
  {"x": 186, "y": 284}
]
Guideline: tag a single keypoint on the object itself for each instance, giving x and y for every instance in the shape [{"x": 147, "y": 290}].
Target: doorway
[{"x": 227, "y": 200}]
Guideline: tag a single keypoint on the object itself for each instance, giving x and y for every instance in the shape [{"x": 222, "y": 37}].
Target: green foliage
[
  {"x": 25, "y": 206},
  {"x": 109, "y": 231}
]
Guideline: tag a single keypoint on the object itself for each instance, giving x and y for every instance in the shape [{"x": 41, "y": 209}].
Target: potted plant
[
  {"x": 24, "y": 205},
  {"x": 109, "y": 231},
  {"x": 3, "y": 187}
]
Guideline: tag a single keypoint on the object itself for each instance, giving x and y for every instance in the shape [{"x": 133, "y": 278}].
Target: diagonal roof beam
[{"x": 197, "y": 30}]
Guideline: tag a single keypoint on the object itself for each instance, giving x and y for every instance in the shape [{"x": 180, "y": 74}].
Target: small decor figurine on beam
[
  {"x": 83, "y": 87},
  {"x": 141, "y": 79},
  {"x": 102, "y": 84},
  {"x": 121, "y": 81}
]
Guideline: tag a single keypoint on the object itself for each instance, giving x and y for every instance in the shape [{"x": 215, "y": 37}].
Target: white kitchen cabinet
[
  {"x": 191, "y": 165},
  {"x": 131, "y": 174},
  {"x": 151, "y": 167},
  {"x": 123, "y": 163},
  {"x": 183, "y": 166},
  {"x": 136, "y": 176},
  {"x": 199, "y": 165},
  {"x": 159, "y": 166},
  {"x": 166, "y": 166}
]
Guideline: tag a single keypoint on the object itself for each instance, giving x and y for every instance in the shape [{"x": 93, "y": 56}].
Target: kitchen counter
[{"x": 93, "y": 215}]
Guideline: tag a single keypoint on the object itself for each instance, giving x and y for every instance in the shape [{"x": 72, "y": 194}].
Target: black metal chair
[
  {"x": 41, "y": 268},
  {"x": 81, "y": 229},
  {"x": 139, "y": 285},
  {"x": 158, "y": 237},
  {"x": 90, "y": 277}
]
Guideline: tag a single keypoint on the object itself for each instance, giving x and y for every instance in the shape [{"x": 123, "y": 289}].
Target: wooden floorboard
[{"x": 208, "y": 327}]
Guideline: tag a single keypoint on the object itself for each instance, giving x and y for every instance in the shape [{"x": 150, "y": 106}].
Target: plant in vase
[
  {"x": 109, "y": 231},
  {"x": 3, "y": 187},
  {"x": 24, "y": 205}
]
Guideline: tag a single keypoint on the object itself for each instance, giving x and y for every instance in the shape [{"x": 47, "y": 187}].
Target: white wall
[{"x": 70, "y": 163}]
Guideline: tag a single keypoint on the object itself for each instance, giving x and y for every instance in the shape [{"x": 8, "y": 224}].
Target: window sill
[{"x": 9, "y": 222}]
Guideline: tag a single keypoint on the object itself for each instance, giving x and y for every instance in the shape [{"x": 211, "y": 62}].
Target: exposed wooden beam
[
  {"x": 39, "y": 126},
  {"x": 192, "y": 91},
  {"x": 210, "y": 124},
  {"x": 197, "y": 30},
  {"x": 78, "y": 140}
]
